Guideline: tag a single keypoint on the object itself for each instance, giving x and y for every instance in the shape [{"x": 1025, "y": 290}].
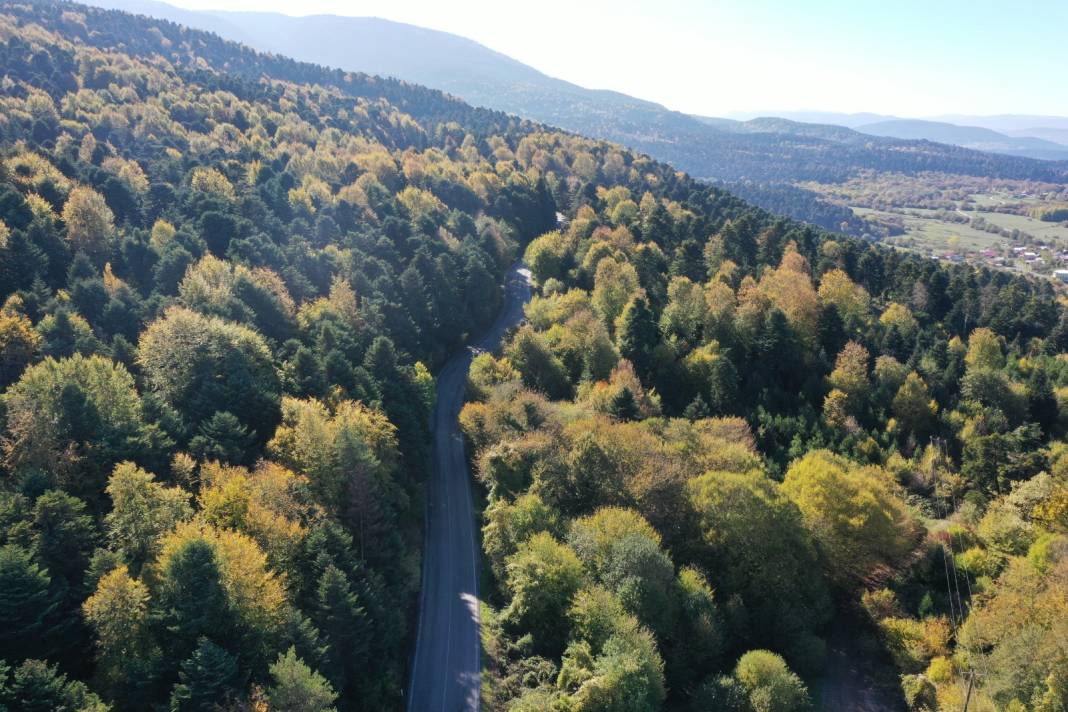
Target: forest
[
  {"x": 227, "y": 280},
  {"x": 763, "y": 160},
  {"x": 698, "y": 456}
]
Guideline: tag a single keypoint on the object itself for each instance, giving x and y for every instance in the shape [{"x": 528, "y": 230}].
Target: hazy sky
[{"x": 904, "y": 57}]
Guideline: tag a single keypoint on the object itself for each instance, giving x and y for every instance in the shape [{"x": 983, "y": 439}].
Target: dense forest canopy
[
  {"x": 762, "y": 160},
  {"x": 729, "y": 444},
  {"x": 226, "y": 280}
]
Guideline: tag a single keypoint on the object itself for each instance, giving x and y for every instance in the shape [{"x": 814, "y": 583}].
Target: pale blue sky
[{"x": 904, "y": 57}]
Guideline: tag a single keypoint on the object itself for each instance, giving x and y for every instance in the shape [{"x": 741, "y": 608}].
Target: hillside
[
  {"x": 834, "y": 118},
  {"x": 763, "y": 162},
  {"x": 1054, "y": 134},
  {"x": 1006, "y": 123},
  {"x": 227, "y": 281},
  {"x": 441, "y": 60},
  {"x": 482, "y": 77},
  {"x": 222, "y": 292},
  {"x": 975, "y": 137}
]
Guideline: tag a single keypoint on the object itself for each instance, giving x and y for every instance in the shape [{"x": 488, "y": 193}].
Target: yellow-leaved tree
[
  {"x": 250, "y": 591},
  {"x": 861, "y": 525},
  {"x": 90, "y": 222},
  {"x": 348, "y": 453}
]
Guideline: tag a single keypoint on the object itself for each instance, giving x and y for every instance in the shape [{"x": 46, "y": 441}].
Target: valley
[
  {"x": 994, "y": 223},
  {"x": 348, "y": 365}
]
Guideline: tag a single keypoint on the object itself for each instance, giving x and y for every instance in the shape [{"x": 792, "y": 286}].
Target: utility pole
[{"x": 968, "y": 694}]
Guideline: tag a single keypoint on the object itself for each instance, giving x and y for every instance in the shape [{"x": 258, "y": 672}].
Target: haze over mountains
[
  {"x": 957, "y": 129},
  {"x": 761, "y": 159},
  {"x": 1041, "y": 137},
  {"x": 976, "y": 137}
]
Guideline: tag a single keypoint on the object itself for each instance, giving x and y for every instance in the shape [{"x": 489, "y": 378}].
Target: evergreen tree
[
  {"x": 657, "y": 226},
  {"x": 305, "y": 372},
  {"x": 481, "y": 294},
  {"x": 192, "y": 602},
  {"x": 689, "y": 261},
  {"x": 639, "y": 335},
  {"x": 21, "y": 262},
  {"x": 298, "y": 688},
  {"x": 224, "y": 438},
  {"x": 344, "y": 623},
  {"x": 1041, "y": 402},
  {"x": 206, "y": 679},
  {"x": 36, "y": 686},
  {"x": 697, "y": 409},
  {"x": 830, "y": 330},
  {"x": 27, "y": 606},
  {"x": 63, "y": 537},
  {"x": 624, "y": 406},
  {"x": 401, "y": 401}
]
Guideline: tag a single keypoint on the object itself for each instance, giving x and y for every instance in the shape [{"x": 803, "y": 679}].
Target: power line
[
  {"x": 956, "y": 609},
  {"x": 979, "y": 660},
  {"x": 974, "y": 655}
]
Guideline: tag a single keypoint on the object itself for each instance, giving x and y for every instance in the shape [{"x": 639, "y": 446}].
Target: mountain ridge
[
  {"x": 761, "y": 161},
  {"x": 694, "y": 144},
  {"x": 975, "y": 137}
]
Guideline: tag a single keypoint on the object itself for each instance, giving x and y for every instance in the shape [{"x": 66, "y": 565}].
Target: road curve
[{"x": 446, "y": 667}]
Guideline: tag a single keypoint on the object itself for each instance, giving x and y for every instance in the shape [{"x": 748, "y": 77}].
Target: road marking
[{"x": 449, "y": 454}]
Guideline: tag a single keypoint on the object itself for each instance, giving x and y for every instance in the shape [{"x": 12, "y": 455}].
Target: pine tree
[
  {"x": 305, "y": 372},
  {"x": 20, "y": 262},
  {"x": 689, "y": 261},
  {"x": 27, "y": 605},
  {"x": 1041, "y": 402},
  {"x": 36, "y": 686},
  {"x": 722, "y": 385},
  {"x": 192, "y": 601},
  {"x": 830, "y": 331},
  {"x": 624, "y": 406},
  {"x": 298, "y": 688},
  {"x": 61, "y": 340},
  {"x": 224, "y": 438},
  {"x": 697, "y": 409},
  {"x": 206, "y": 679},
  {"x": 79, "y": 417},
  {"x": 481, "y": 294},
  {"x": 657, "y": 227},
  {"x": 639, "y": 335},
  {"x": 343, "y": 621},
  {"x": 401, "y": 402},
  {"x": 63, "y": 536}
]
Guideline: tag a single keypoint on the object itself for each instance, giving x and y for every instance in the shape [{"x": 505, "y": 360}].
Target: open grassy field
[
  {"x": 930, "y": 233},
  {"x": 1047, "y": 231},
  {"x": 926, "y": 233},
  {"x": 957, "y": 217}
]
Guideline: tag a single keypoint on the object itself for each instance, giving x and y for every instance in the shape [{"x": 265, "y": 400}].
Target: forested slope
[
  {"x": 223, "y": 292},
  {"x": 226, "y": 279},
  {"x": 697, "y": 454},
  {"x": 762, "y": 159}
]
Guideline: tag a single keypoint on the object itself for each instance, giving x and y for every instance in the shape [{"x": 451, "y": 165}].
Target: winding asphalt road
[{"x": 446, "y": 667}]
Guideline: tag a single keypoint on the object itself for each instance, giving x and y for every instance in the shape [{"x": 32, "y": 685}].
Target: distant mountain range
[
  {"x": 1050, "y": 133},
  {"x": 977, "y": 137},
  {"x": 759, "y": 159},
  {"x": 1007, "y": 123},
  {"x": 983, "y": 133},
  {"x": 815, "y": 117}
]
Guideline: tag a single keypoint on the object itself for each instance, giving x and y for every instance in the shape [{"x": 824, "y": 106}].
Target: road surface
[
  {"x": 446, "y": 667},
  {"x": 857, "y": 679}
]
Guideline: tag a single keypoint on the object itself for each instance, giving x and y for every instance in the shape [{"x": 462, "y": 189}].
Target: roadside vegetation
[{"x": 226, "y": 280}]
